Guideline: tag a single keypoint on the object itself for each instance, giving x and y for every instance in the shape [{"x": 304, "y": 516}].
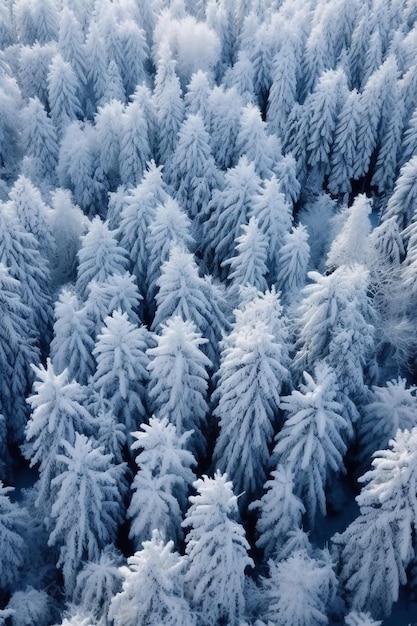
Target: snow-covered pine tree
[
  {"x": 72, "y": 343},
  {"x": 20, "y": 253},
  {"x": 13, "y": 520},
  {"x": 57, "y": 413},
  {"x": 352, "y": 244},
  {"x": 391, "y": 407},
  {"x": 63, "y": 89},
  {"x": 192, "y": 171},
  {"x": 248, "y": 266},
  {"x": 312, "y": 442},
  {"x": 300, "y": 590},
  {"x": 136, "y": 217},
  {"x": 162, "y": 483},
  {"x": 229, "y": 208},
  {"x": 117, "y": 292},
  {"x": 152, "y": 591},
  {"x": 247, "y": 397},
  {"x": 382, "y": 533},
  {"x": 18, "y": 349},
  {"x": 217, "y": 552},
  {"x": 170, "y": 225},
  {"x": 169, "y": 105},
  {"x": 274, "y": 215},
  {"x": 183, "y": 292},
  {"x": 98, "y": 582},
  {"x": 100, "y": 256},
  {"x": 293, "y": 261},
  {"x": 87, "y": 505},
  {"x": 121, "y": 374},
  {"x": 135, "y": 150},
  {"x": 280, "y": 512},
  {"x": 79, "y": 168},
  {"x": 224, "y": 117},
  {"x": 39, "y": 142},
  {"x": 179, "y": 379}
]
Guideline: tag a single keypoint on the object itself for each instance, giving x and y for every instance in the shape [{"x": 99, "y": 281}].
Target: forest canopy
[{"x": 208, "y": 289}]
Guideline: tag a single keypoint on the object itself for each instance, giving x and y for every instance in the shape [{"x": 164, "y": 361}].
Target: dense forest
[{"x": 208, "y": 291}]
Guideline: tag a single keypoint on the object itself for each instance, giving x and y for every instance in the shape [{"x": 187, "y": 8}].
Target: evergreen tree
[
  {"x": 19, "y": 252},
  {"x": 13, "y": 520},
  {"x": 247, "y": 398},
  {"x": 39, "y": 142},
  {"x": 282, "y": 94},
  {"x": 152, "y": 591},
  {"x": 121, "y": 374},
  {"x": 274, "y": 215},
  {"x": 389, "y": 408},
  {"x": 67, "y": 224},
  {"x": 248, "y": 267},
  {"x": 72, "y": 343},
  {"x": 109, "y": 130},
  {"x": 34, "y": 64},
  {"x": 299, "y": 590},
  {"x": 253, "y": 141},
  {"x": 178, "y": 379},
  {"x": 18, "y": 350},
  {"x": 169, "y": 106},
  {"x": 136, "y": 217},
  {"x": 100, "y": 256},
  {"x": 401, "y": 203},
  {"x": 293, "y": 259},
  {"x": 162, "y": 483},
  {"x": 117, "y": 292},
  {"x": 331, "y": 306},
  {"x": 134, "y": 54},
  {"x": 229, "y": 208},
  {"x": 192, "y": 171},
  {"x": 33, "y": 214},
  {"x": 63, "y": 89},
  {"x": 382, "y": 533},
  {"x": 343, "y": 152},
  {"x": 312, "y": 442},
  {"x": 241, "y": 77},
  {"x": 280, "y": 512},
  {"x": 217, "y": 552},
  {"x": 170, "y": 225},
  {"x": 352, "y": 242},
  {"x": 79, "y": 168},
  {"x": 134, "y": 147},
  {"x": 58, "y": 413},
  {"x": 87, "y": 505},
  {"x": 224, "y": 116},
  {"x": 183, "y": 292},
  {"x": 98, "y": 582},
  {"x": 71, "y": 46},
  {"x": 30, "y": 606}
]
